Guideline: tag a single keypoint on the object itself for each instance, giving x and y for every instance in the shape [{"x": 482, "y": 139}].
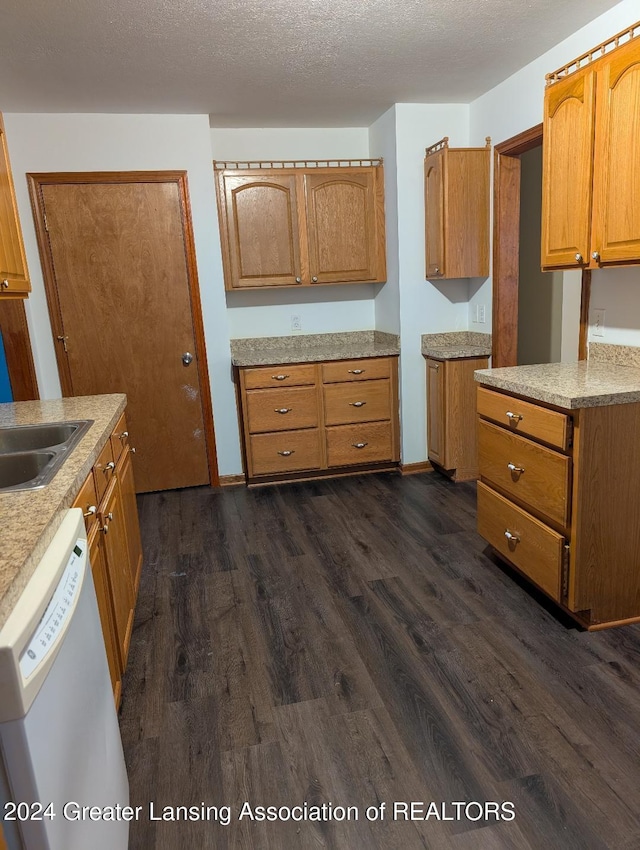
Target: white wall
[
  {"x": 326, "y": 309},
  {"x": 516, "y": 105},
  {"x": 128, "y": 143}
]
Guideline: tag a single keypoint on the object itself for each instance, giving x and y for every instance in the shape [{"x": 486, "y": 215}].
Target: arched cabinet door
[
  {"x": 616, "y": 178},
  {"x": 263, "y": 234},
  {"x": 568, "y": 170},
  {"x": 341, "y": 226}
]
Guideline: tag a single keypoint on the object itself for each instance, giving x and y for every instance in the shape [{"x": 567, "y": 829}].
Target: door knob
[{"x": 187, "y": 358}]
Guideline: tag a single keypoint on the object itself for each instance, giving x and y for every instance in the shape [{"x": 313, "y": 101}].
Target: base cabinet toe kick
[
  {"x": 319, "y": 419},
  {"x": 559, "y": 500}
]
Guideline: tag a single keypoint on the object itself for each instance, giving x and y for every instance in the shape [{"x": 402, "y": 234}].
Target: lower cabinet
[
  {"x": 113, "y": 532},
  {"x": 451, "y": 403},
  {"x": 319, "y": 417}
]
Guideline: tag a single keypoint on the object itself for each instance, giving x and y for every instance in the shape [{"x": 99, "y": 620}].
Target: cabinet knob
[
  {"x": 514, "y": 417},
  {"x": 314, "y": 279},
  {"x": 282, "y": 409},
  {"x": 123, "y": 436},
  {"x": 596, "y": 256},
  {"x": 187, "y": 358},
  {"x": 298, "y": 280},
  {"x": 287, "y": 452},
  {"x": 517, "y": 469},
  {"x": 512, "y": 538},
  {"x": 132, "y": 450},
  {"x": 110, "y": 467},
  {"x": 5, "y": 284},
  {"x": 279, "y": 377},
  {"x": 578, "y": 258},
  {"x": 91, "y": 511},
  {"x": 359, "y": 445},
  {"x": 437, "y": 270},
  {"x": 357, "y": 403}
]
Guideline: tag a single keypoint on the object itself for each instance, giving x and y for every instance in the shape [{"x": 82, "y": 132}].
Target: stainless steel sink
[{"x": 30, "y": 455}]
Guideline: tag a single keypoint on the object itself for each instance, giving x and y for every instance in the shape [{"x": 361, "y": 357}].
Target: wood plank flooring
[{"x": 353, "y": 642}]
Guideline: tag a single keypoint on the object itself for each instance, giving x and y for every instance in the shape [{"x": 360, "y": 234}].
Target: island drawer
[{"x": 523, "y": 417}]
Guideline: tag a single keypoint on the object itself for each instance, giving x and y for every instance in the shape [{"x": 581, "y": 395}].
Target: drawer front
[
  {"x": 103, "y": 470},
  {"x": 87, "y": 500},
  {"x": 366, "y": 401},
  {"x": 533, "y": 547},
  {"x": 356, "y": 370},
  {"x": 351, "y": 444},
  {"x": 280, "y": 376},
  {"x": 544, "y": 482},
  {"x": 284, "y": 452},
  {"x": 282, "y": 409},
  {"x": 523, "y": 417},
  {"x": 119, "y": 438}
]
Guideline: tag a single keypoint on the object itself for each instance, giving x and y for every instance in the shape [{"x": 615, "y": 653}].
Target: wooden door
[
  {"x": 434, "y": 205},
  {"x": 98, "y": 561},
  {"x": 567, "y": 171},
  {"x": 435, "y": 411},
  {"x": 341, "y": 225},
  {"x": 616, "y": 179},
  {"x": 262, "y": 232},
  {"x": 123, "y": 303},
  {"x": 14, "y": 277}
]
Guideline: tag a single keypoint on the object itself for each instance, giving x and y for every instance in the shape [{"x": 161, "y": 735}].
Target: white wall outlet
[
  {"x": 482, "y": 318},
  {"x": 296, "y": 323},
  {"x": 598, "y": 322}
]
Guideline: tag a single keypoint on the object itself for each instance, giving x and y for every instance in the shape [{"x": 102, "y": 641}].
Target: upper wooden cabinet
[
  {"x": 591, "y": 154},
  {"x": 14, "y": 277},
  {"x": 456, "y": 194},
  {"x": 298, "y": 226}
]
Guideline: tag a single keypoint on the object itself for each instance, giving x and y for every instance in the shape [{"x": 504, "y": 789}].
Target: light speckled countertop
[
  {"x": 30, "y": 518},
  {"x": 456, "y": 345},
  {"x": 568, "y": 385},
  {"x": 311, "y": 348}
]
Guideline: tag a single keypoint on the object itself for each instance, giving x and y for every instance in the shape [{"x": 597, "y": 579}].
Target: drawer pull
[
  {"x": 123, "y": 436},
  {"x": 91, "y": 511},
  {"x": 356, "y": 371},
  {"x": 512, "y": 538},
  {"x": 287, "y": 452},
  {"x": 282, "y": 409},
  {"x": 359, "y": 445},
  {"x": 514, "y": 417},
  {"x": 357, "y": 403},
  {"x": 279, "y": 377},
  {"x": 109, "y": 467},
  {"x": 517, "y": 469}
]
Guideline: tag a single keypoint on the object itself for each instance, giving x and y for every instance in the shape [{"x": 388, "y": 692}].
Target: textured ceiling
[{"x": 269, "y": 62}]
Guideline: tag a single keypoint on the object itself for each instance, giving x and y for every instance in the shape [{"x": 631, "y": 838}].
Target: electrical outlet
[
  {"x": 482, "y": 314},
  {"x": 598, "y": 322},
  {"x": 296, "y": 323}
]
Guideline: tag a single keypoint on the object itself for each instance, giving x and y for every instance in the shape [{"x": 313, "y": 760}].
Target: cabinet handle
[
  {"x": 92, "y": 510},
  {"x": 512, "y": 538},
  {"x": 108, "y": 518},
  {"x": 123, "y": 436},
  {"x": 109, "y": 467},
  {"x": 359, "y": 445},
  {"x": 356, "y": 371},
  {"x": 279, "y": 377},
  {"x": 514, "y": 417},
  {"x": 314, "y": 279},
  {"x": 298, "y": 280},
  {"x": 596, "y": 256},
  {"x": 437, "y": 270},
  {"x": 282, "y": 409},
  {"x": 513, "y": 468},
  {"x": 578, "y": 258},
  {"x": 357, "y": 403},
  {"x": 132, "y": 449},
  {"x": 5, "y": 284},
  {"x": 287, "y": 452}
]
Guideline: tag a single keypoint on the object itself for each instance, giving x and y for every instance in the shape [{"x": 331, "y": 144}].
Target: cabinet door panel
[
  {"x": 263, "y": 233},
  {"x": 616, "y": 220},
  {"x": 435, "y": 411},
  {"x": 130, "y": 516},
  {"x": 13, "y": 265},
  {"x": 103, "y": 594},
  {"x": 118, "y": 570},
  {"x": 567, "y": 170},
  {"x": 341, "y": 226},
  {"x": 434, "y": 193}
]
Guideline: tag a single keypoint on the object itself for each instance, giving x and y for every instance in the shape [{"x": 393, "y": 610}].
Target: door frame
[
  {"x": 506, "y": 239},
  {"x": 36, "y": 182}
]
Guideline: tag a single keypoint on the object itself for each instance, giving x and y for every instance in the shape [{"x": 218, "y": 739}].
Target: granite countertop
[
  {"x": 456, "y": 345},
  {"x": 311, "y": 348},
  {"x": 568, "y": 385},
  {"x": 30, "y": 518}
]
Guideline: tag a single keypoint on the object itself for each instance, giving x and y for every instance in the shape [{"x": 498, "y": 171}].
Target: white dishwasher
[{"x": 60, "y": 742}]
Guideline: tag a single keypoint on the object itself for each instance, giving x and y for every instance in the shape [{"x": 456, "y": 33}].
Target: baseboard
[
  {"x": 232, "y": 480},
  {"x": 414, "y": 468}
]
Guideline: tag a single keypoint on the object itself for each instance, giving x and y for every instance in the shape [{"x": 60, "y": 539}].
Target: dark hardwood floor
[{"x": 351, "y": 642}]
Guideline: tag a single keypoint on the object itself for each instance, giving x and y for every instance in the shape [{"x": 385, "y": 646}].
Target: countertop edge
[{"x": 567, "y": 402}]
